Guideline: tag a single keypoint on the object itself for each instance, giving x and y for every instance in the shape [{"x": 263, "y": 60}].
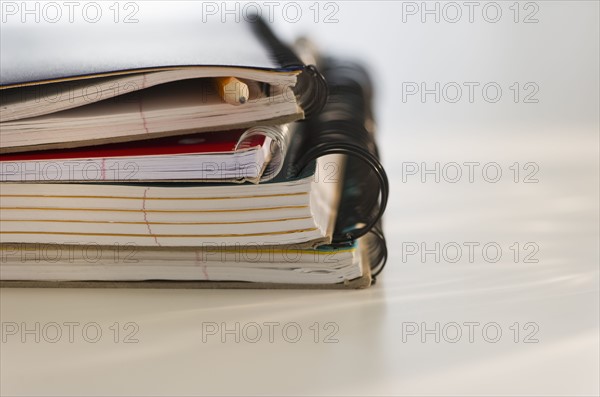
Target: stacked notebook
[{"x": 183, "y": 164}]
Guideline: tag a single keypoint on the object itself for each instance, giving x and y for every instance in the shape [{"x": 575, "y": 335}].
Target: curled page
[{"x": 280, "y": 139}]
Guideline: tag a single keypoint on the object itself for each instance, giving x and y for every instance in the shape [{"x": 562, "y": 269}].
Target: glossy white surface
[{"x": 559, "y": 214}]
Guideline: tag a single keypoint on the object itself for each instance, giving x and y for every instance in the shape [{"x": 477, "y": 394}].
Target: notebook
[
  {"x": 251, "y": 155},
  {"x": 68, "y": 85},
  {"x": 283, "y": 264},
  {"x": 328, "y": 198},
  {"x": 286, "y": 211}
]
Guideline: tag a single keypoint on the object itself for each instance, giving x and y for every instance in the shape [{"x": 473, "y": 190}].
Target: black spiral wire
[
  {"x": 344, "y": 127},
  {"x": 311, "y": 88}
]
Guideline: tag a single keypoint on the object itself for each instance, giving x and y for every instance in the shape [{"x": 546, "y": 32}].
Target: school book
[
  {"x": 251, "y": 155},
  {"x": 354, "y": 232},
  {"x": 287, "y": 210},
  {"x": 68, "y": 85}
]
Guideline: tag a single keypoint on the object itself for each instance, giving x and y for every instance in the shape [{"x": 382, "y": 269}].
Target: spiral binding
[
  {"x": 337, "y": 106},
  {"x": 280, "y": 135},
  {"x": 342, "y": 128},
  {"x": 377, "y": 250},
  {"x": 311, "y": 88}
]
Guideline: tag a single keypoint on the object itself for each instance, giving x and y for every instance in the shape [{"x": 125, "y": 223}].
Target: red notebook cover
[{"x": 206, "y": 142}]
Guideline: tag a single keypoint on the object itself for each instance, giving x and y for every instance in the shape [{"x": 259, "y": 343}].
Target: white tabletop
[{"x": 382, "y": 341}]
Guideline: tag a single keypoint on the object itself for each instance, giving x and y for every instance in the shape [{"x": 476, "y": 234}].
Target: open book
[{"x": 77, "y": 85}]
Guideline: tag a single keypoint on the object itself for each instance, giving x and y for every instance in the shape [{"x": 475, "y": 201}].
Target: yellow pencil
[{"x": 232, "y": 90}]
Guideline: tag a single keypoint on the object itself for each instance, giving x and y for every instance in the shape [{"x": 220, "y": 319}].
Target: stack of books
[{"x": 202, "y": 159}]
